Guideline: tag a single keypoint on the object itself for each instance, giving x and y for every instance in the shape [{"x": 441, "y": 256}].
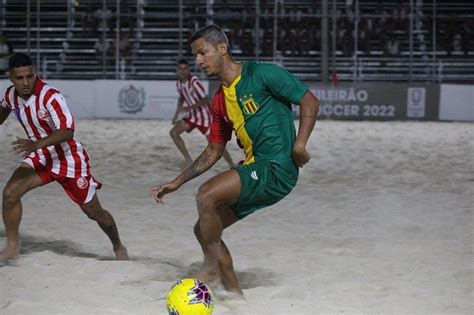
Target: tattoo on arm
[{"x": 199, "y": 166}]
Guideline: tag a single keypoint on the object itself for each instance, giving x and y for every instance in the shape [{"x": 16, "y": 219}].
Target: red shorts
[
  {"x": 203, "y": 129},
  {"x": 80, "y": 190}
]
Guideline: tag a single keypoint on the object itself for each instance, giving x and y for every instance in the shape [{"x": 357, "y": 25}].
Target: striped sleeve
[
  {"x": 5, "y": 101},
  {"x": 60, "y": 112},
  {"x": 198, "y": 87}
]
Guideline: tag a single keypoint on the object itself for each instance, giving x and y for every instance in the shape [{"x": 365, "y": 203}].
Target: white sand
[{"x": 381, "y": 222}]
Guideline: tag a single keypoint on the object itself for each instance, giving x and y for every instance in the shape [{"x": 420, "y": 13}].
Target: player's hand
[
  {"x": 158, "y": 192},
  {"x": 300, "y": 155},
  {"x": 24, "y": 146}
]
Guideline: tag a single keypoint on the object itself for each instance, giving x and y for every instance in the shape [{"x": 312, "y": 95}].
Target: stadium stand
[{"x": 66, "y": 37}]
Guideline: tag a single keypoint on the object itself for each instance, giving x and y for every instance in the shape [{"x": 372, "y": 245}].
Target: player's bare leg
[
  {"x": 11, "y": 219},
  {"x": 23, "y": 179},
  {"x": 175, "y": 134},
  {"x": 214, "y": 215},
  {"x": 211, "y": 245},
  {"x": 94, "y": 211},
  {"x": 226, "y": 267}
]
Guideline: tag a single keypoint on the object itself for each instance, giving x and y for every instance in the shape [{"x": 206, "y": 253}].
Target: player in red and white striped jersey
[
  {"x": 51, "y": 153},
  {"x": 194, "y": 103}
]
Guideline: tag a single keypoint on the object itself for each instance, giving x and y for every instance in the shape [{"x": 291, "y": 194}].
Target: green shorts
[{"x": 263, "y": 184}]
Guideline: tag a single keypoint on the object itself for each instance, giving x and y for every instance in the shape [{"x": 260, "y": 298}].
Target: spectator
[
  {"x": 247, "y": 43},
  {"x": 106, "y": 18},
  {"x": 127, "y": 17},
  {"x": 334, "y": 78},
  {"x": 468, "y": 30},
  {"x": 224, "y": 16},
  {"x": 267, "y": 31},
  {"x": 123, "y": 45},
  {"x": 364, "y": 41},
  {"x": 235, "y": 37},
  {"x": 347, "y": 42},
  {"x": 102, "y": 48},
  {"x": 392, "y": 47},
  {"x": 89, "y": 22},
  {"x": 380, "y": 30},
  {"x": 403, "y": 21},
  {"x": 457, "y": 43},
  {"x": 450, "y": 31},
  {"x": 5, "y": 51}
]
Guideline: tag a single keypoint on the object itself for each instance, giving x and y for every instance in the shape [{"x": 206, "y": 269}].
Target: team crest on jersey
[
  {"x": 249, "y": 105},
  {"x": 82, "y": 182},
  {"x": 43, "y": 114},
  {"x": 131, "y": 100}
]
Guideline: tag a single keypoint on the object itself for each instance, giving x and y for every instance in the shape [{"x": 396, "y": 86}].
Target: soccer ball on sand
[{"x": 190, "y": 297}]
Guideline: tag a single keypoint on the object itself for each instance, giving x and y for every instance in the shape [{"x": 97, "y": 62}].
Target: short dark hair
[
  {"x": 183, "y": 62},
  {"x": 18, "y": 60},
  {"x": 212, "y": 34}
]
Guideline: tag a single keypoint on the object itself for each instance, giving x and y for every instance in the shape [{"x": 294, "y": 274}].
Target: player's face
[
  {"x": 207, "y": 56},
  {"x": 24, "y": 79},
  {"x": 183, "y": 71}
]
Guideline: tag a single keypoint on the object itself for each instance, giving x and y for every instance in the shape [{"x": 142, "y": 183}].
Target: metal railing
[{"x": 62, "y": 48}]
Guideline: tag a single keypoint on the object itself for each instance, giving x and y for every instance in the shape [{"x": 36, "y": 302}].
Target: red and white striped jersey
[
  {"x": 192, "y": 91},
  {"x": 44, "y": 112}
]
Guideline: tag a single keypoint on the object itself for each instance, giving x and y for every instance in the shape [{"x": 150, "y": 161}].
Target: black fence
[{"x": 321, "y": 40}]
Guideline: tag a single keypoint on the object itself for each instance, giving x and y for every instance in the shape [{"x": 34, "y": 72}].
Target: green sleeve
[{"x": 282, "y": 83}]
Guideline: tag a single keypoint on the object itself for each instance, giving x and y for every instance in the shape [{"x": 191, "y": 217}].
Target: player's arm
[
  {"x": 208, "y": 158},
  {"x": 4, "y": 112},
  {"x": 56, "y": 137},
  {"x": 309, "y": 106},
  {"x": 179, "y": 107},
  {"x": 26, "y": 146},
  {"x": 202, "y": 101}
]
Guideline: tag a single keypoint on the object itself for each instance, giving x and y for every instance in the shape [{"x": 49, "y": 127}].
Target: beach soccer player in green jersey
[{"x": 254, "y": 100}]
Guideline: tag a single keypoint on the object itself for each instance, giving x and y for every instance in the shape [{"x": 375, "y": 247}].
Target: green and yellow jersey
[{"x": 257, "y": 106}]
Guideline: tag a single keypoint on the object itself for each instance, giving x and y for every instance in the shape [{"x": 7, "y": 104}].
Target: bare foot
[
  {"x": 233, "y": 288},
  {"x": 211, "y": 279},
  {"x": 121, "y": 253},
  {"x": 9, "y": 255}
]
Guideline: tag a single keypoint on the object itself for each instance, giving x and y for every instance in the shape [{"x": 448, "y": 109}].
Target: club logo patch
[
  {"x": 82, "y": 182},
  {"x": 43, "y": 114},
  {"x": 249, "y": 105}
]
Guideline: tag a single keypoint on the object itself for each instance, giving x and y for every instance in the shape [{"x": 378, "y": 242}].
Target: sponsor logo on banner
[
  {"x": 353, "y": 103},
  {"x": 250, "y": 107},
  {"x": 131, "y": 100},
  {"x": 416, "y": 101}
]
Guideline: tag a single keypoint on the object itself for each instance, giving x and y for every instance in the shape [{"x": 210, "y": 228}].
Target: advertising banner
[
  {"x": 135, "y": 99},
  {"x": 347, "y": 101},
  {"x": 79, "y": 95},
  {"x": 456, "y": 102},
  {"x": 377, "y": 101},
  {"x": 373, "y": 101}
]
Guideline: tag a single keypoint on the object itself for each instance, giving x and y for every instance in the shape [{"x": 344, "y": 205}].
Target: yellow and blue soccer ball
[{"x": 190, "y": 297}]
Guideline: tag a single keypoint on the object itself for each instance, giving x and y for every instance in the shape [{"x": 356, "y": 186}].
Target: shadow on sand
[
  {"x": 250, "y": 278},
  {"x": 33, "y": 244}
]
